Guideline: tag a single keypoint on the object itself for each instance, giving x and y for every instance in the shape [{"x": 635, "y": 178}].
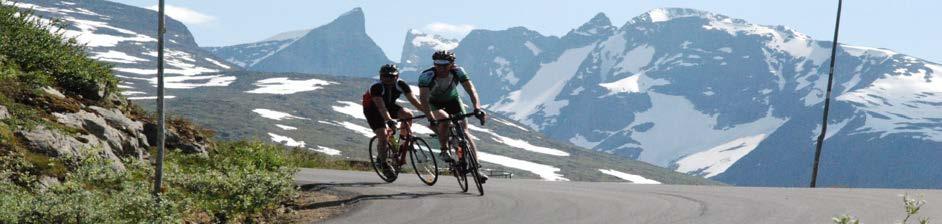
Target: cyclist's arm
[
  {"x": 473, "y": 93},
  {"x": 423, "y": 99},
  {"x": 381, "y": 105},
  {"x": 415, "y": 102}
]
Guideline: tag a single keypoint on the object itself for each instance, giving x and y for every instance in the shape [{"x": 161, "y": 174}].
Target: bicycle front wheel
[
  {"x": 374, "y": 162},
  {"x": 423, "y": 161},
  {"x": 460, "y": 173},
  {"x": 474, "y": 168}
]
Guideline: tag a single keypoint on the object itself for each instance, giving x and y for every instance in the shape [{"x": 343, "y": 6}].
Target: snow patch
[
  {"x": 546, "y": 172},
  {"x": 902, "y": 103},
  {"x": 284, "y": 86},
  {"x": 675, "y": 116},
  {"x": 217, "y": 63},
  {"x": 350, "y": 108},
  {"x": 543, "y": 91},
  {"x": 520, "y": 144},
  {"x": 328, "y": 151},
  {"x": 286, "y": 127},
  {"x": 149, "y": 97},
  {"x": 116, "y": 57},
  {"x": 510, "y": 124},
  {"x": 581, "y": 141},
  {"x": 505, "y": 71},
  {"x": 716, "y": 160},
  {"x": 636, "y": 59},
  {"x": 533, "y": 48},
  {"x": 626, "y": 85},
  {"x": 435, "y": 42},
  {"x": 276, "y": 115},
  {"x": 858, "y": 51},
  {"x": 351, "y": 126},
  {"x": 629, "y": 177},
  {"x": 288, "y": 141}
]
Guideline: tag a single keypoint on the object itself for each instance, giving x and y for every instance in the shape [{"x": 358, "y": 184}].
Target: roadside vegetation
[
  {"x": 228, "y": 182},
  {"x": 911, "y": 206}
]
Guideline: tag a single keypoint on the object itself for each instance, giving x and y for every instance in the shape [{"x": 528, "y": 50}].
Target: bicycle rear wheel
[
  {"x": 423, "y": 161},
  {"x": 473, "y": 168},
  {"x": 374, "y": 162}
]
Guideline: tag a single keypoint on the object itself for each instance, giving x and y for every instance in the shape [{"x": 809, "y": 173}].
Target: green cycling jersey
[{"x": 443, "y": 89}]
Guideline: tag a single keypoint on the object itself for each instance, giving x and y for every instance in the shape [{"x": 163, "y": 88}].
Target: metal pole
[
  {"x": 827, "y": 99},
  {"x": 160, "y": 101}
]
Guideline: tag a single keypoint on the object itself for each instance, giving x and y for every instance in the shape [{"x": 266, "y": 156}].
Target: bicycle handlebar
[{"x": 462, "y": 116}]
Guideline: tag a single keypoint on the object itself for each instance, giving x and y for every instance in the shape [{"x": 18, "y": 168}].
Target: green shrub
[
  {"x": 94, "y": 193},
  {"x": 45, "y": 56},
  {"x": 239, "y": 182}
]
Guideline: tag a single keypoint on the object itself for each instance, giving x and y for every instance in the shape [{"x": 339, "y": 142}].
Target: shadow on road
[
  {"x": 366, "y": 197},
  {"x": 322, "y": 186}
]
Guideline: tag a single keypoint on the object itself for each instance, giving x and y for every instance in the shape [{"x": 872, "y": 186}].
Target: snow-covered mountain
[
  {"x": 720, "y": 97},
  {"x": 501, "y": 62},
  {"x": 417, "y": 52},
  {"x": 340, "y": 47},
  {"x": 126, "y": 37}
]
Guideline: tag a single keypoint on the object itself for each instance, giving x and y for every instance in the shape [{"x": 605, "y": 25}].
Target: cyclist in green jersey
[{"x": 438, "y": 89}]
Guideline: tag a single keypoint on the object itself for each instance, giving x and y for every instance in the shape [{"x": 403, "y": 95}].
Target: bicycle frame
[{"x": 405, "y": 138}]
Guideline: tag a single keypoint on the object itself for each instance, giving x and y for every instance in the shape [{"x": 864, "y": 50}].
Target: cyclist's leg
[
  {"x": 382, "y": 144},
  {"x": 405, "y": 115},
  {"x": 442, "y": 128},
  {"x": 375, "y": 120},
  {"x": 455, "y": 107}
]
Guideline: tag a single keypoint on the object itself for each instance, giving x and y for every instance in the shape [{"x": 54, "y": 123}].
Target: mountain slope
[{"x": 126, "y": 37}]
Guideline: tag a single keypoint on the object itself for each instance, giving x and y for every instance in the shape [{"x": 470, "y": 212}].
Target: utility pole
[
  {"x": 827, "y": 99},
  {"x": 161, "y": 136}
]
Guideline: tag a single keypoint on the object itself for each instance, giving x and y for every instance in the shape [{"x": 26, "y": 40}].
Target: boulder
[
  {"x": 100, "y": 128},
  {"x": 4, "y": 114},
  {"x": 134, "y": 129},
  {"x": 54, "y": 143},
  {"x": 175, "y": 141}
]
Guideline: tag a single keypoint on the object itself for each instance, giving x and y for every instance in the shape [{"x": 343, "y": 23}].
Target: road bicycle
[
  {"x": 465, "y": 162},
  {"x": 422, "y": 159}
]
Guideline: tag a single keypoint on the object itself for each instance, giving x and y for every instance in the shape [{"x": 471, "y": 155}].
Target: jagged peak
[
  {"x": 599, "y": 24},
  {"x": 353, "y": 20},
  {"x": 599, "y": 19}
]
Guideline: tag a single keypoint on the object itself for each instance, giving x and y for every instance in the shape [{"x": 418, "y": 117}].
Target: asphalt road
[{"x": 532, "y": 201}]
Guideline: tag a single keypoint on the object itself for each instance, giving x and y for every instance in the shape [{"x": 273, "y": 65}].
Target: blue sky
[{"x": 905, "y": 26}]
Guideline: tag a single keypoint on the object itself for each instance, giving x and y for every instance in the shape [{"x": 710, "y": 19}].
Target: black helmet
[
  {"x": 389, "y": 70},
  {"x": 441, "y": 56}
]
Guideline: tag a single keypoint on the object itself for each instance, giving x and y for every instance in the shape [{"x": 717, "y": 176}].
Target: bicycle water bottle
[{"x": 394, "y": 140}]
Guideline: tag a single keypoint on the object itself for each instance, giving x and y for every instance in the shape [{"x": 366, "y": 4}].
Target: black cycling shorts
[
  {"x": 450, "y": 107},
  {"x": 375, "y": 119}
]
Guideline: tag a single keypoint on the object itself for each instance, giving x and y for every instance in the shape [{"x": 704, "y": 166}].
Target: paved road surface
[{"x": 532, "y": 201}]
